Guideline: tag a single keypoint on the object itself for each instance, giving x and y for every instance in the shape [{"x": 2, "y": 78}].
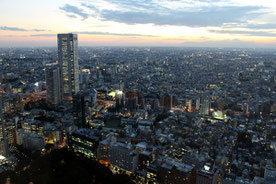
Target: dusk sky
[{"x": 216, "y": 23}]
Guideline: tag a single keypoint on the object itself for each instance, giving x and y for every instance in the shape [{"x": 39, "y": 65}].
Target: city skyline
[
  {"x": 149, "y": 115},
  {"x": 181, "y": 23}
]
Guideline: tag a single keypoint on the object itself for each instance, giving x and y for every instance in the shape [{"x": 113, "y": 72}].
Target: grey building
[
  {"x": 208, "y": 174},
  {"x": 33, "y": 142},
  {"x": 270, "y": 175},
  {"x": 205, "y": 104},
  {"x": 124, "y": 156},
  {"x": 79, "y": 110},
  {"x": 53, "y": 87},
  {"x": 4, "y": 147}
]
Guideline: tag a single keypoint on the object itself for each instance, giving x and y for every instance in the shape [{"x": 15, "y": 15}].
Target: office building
[
  {"x": 167, "y": 101},
  {"x": 52, "y": 76},
  {"x": 10, "y": 131},
  {"x": 132, "y": 100},
  {"x": 103, "y": 148},
  {"x": 4, "y": 146},
  {"x": 33, "y": 126},
  {"x": 208, "y": 174},
  {"x": 33, "y": 142},
  {"x": 124, "y": 156},
  {"x": 145, "y": 158},
  {"x": 120, "y": 99},
  {"x": 84, "y": 141},
  {"x": 84, "y": 78},
  {"x": 79, "y": 110},
  {"x": 68, "y": 63},
  {"x": 173, "y": 172},
  {"x": 205, "y": 104},
  {"x": 90, "y": 97},
  {"x": 270, "y": 175}
]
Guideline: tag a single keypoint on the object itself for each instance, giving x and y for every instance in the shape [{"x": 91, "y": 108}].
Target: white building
[{"x": 124, "y": 156}]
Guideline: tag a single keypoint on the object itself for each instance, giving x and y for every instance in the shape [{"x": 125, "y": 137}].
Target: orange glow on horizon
[{"x": 102, "y": 40}]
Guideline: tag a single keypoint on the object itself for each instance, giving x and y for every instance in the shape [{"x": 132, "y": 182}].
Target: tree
[{"x": 63, "y": 166}]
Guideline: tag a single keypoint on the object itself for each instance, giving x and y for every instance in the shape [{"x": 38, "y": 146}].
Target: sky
[{"x": 180, "y": 23}]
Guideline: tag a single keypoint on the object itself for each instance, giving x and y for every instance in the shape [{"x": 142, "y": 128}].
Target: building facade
[
  {"x": 124, "y": 157},
  {"x": 68, "y": 63},
  {"x": 79, "y": 110},
  {"x": 84, "y": 141},
  {"x": 173, "y": 172},
  {"x": 4, "y": 147},
  {"x": 53, "y": 87},
  {"x": 208, "y": 174}
]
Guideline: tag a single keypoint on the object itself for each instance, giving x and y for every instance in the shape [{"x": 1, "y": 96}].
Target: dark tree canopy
[{"x": 63, "y": 166}]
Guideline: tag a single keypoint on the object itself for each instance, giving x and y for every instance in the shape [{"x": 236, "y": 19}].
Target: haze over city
[{"x": 181, "y": 23}]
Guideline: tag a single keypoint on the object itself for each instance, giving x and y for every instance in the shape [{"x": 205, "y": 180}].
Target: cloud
[
  {"x": 114, "y": 34},
  {"x": 5, "y": 28},
  {"x": 197, "y": 13},
  {"x": 211, "y": 1},
  {"x": 250, "y": 26},
  {"x": 96, "y": 33},
  {"x": 43, "y": 35},
  {"x": 12, "y": 28},
  {"x": 39, "y": 30},
  {"x": 126, "y": 5},
  {"x": 246, "y": 33},
  {"x": 71, "y": 16},
  {"x": 261, "y": 26},
  {"x": 90, "y": 7},
  {"x": 14, "y": 36},
  {"x": 73, "y": 10},
  {"x": 207, "y": 17}
]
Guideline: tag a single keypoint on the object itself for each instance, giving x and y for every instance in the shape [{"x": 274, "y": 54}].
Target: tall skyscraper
[
  {"x": 53, "y": 87},
  {"x": 205, "y": 104},
  {"x": 4, "y": 147},
  {"x": 79, "y": 110},
  {"x": 68, "y": 63}
]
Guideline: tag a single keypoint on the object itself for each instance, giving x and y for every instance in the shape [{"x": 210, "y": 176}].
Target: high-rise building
[
  {"x": 53, "y": 87},
  {"x": 144, "y": 159},
  {"x": 90, "y": 97},
  {"x": 10, "y": 132},
  {"x": 124, "y": 156},
  {"x": 79, "y": 110},
  {"x": 33, "y": 142},
  {"x": 270, "y": 175},
  {"x": 33, "y": 126},
  {"x": 84, "y": 141},
  {"x": 68, "y": 63},
  {"x": 4, "y": 147},
  {"x": 132, "y": 99},
  {"x": 84, "y": 78},
  {"x": 205, "y": 104},
  {"x": 174, "y": 172},
  {"x": 168, "y": 101},
  {"x": 208, "y": 174},
  {"x": 104, "y": 146},
  {"x": 120, "y": 99}
]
